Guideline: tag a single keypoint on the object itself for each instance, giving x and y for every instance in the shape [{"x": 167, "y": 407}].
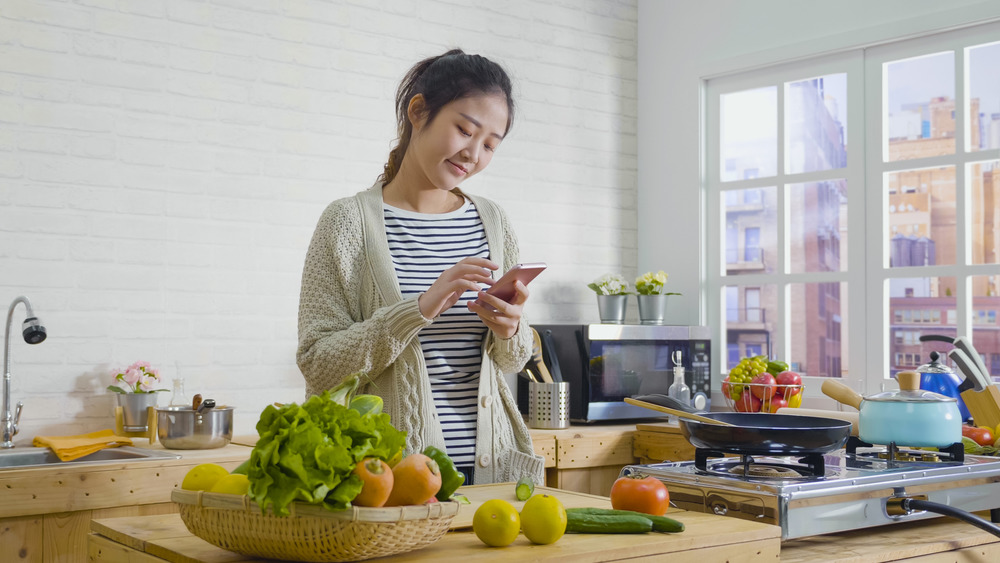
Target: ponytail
[{"x": 441, "y": 80}]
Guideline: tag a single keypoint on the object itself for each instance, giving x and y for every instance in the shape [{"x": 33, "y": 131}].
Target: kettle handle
[{"x": 936, "y": 338}]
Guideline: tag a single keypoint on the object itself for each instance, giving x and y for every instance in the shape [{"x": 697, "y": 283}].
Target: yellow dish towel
[{"x": 69, "y": 448}]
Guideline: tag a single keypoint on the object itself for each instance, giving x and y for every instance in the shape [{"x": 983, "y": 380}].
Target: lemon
[
  {"x": 202, "y": 477},
  {"x": 496, "y": 523},
  {"x": 233, "y": 484},
  {"x": 543, "y": 519}
]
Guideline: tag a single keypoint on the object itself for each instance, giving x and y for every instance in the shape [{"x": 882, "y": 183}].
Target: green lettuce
[{"x": 307, "y": 453}]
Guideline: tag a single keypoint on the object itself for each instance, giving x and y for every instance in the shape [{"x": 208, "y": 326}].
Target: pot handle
[{"x": 841, "y": 393}]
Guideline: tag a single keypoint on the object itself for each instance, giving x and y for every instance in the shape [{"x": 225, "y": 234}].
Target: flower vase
[
  {"x": 135, "y": 409},
  {"x": 652, "y": 309},
  {"x": 612, "y": 308}
]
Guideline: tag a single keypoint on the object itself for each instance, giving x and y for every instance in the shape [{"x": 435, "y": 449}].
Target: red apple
[
  {"x": 791, "y": 379},
  {"x": 747, "y": 402},
  {"x": 777, "y": 403},
  {"x": 727, "y": 387},
  {"x": 763, "y": 386}
]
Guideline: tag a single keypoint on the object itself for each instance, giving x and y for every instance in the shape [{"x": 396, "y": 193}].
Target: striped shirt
[{"x": 422, "y": 247}]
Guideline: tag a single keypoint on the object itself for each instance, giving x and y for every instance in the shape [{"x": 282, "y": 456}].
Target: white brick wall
[{"x": 163, "y": 164}]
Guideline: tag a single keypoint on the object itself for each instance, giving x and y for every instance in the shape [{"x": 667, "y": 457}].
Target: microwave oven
[{"x": 604, "y": 363}]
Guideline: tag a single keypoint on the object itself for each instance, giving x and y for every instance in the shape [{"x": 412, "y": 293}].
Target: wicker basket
[{"x": 311, "y": 533}]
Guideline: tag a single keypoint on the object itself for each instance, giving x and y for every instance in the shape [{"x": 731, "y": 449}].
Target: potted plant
[
  {"x": 136, "y": 387},
  {"x": 612, "y": 297},
  {"x": 652, "y": 298}
]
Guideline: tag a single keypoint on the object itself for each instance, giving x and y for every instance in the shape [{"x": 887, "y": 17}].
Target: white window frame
[{"x": 867, "y": 273}]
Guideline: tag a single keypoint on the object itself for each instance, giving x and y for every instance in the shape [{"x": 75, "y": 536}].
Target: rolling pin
[{"x": 851, "y": 417}]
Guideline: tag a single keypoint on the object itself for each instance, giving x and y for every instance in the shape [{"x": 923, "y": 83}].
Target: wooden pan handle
[
  {"x": 675, "y": 412},
  {"x": 841, "y": 393}
]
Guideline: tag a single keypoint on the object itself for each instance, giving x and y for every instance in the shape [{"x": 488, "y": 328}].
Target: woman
[{"x": 393, "y": 276}]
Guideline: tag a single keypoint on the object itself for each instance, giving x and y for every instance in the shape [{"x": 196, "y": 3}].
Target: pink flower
[
  {"x": 147, "y": 383},
  {"x": 132, "y": 375}
]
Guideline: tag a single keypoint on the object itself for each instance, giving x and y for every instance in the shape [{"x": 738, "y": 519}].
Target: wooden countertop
[
  {"x": 70, "y": 487},
  {"x": 166, "y": 537}
]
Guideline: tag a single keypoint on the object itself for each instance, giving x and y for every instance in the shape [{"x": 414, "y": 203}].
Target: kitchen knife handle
[
  {"x": 549, "y": 354},
  {"x": 965, "y": 365},
  {"x": 936, "y": 338},
  {"x": 966, "y": 346}
]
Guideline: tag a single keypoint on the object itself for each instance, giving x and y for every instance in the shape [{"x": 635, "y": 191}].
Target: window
[{"x": 878, "y": 174}]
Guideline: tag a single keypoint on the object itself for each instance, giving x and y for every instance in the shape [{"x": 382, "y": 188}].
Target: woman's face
[{"x": 460, "y": 141}]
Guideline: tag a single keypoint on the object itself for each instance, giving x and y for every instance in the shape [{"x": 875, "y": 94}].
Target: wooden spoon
[{"x": 675, "y": 412}]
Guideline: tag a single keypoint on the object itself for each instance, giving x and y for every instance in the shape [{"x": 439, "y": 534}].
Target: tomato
[
  {"x": 763, "y": 386},
  {"x": 981, "y": 436},
  {"x": 747, "y": 402},
  {"x": 376, "y": 479},
  {"x": 416, "y": 478},
  {"x": 648, "y": 495}
]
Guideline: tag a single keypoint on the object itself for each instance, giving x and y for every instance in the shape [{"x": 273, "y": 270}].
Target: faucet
[{"x": 33, "y": 333}]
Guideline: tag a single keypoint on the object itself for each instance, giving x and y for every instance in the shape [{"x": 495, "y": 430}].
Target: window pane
[
  {"x": 985, "y": 329},
  {"x": 918, "y": 306},
  {"x": 817, "y": 218},
  {"x": 921, "y": 208},
  {"x": 751, "y": 237},
  {"x": 984, "y": 179},
  {"x": 984, "y": 96},
  {"x": 816, "y": 124},
  {"x": 921, "y": 106},
  {"x": 749, "y": 327},
  {"x": 818, "y": 323},
  {"x": 749, "y": 124}
]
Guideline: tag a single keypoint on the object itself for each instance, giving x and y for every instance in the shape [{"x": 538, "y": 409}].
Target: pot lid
[
  {"x": 911, "y": 396},
  {"x": 910, "y": 392},
  {"x": 935, "y": 366}
]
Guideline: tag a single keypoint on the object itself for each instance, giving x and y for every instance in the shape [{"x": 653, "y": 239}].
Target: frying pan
[{"x": 764, "y": 434}]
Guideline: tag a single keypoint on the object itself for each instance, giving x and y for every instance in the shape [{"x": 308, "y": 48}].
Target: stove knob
[{"x": 720, "y": 509}]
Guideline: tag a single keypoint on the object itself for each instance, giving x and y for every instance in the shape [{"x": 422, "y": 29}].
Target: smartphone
[{"x": 504, "y": 287}]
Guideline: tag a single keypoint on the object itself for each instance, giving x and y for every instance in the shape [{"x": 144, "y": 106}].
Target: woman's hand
[
  {"x": 464, "y": 276},
  {"x": 500, "y": 316}
]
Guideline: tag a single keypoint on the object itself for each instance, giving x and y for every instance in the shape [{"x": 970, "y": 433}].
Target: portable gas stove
[{"x": 846, "y": 489}]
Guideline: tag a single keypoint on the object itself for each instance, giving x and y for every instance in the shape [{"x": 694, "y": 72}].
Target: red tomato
[
  {"x": 981, "y": 436},
  {"x": 777, "y": 403},
  {"x": 792, "y": 379},
  {"x": 648, "y": 495},
  {"x": 763, "y": 386},
  {"x": 747, "y": 402}
]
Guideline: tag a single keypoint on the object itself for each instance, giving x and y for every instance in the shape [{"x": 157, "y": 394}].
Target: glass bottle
[
  {"x": 678, "y": 389},
  {"x": 178, "y": 399}
]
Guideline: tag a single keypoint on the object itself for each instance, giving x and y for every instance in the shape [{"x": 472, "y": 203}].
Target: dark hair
[{"x": 441, "y": 80}]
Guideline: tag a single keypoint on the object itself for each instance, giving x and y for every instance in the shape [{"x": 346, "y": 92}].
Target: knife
[
  {"x": 549, "y": 354},
  {"x": 974, "y": 379},
  {"x": 966, "y": 346}
]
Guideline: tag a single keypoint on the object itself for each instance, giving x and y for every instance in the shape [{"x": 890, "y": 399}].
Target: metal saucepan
[
  {"x": 188, "y": 428},
  {"x": 909, "y": 417},
  {"x": 763, "y": 434}
]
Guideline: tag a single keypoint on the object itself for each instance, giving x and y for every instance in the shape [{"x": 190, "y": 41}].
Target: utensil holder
[{"x": 548, "y": 405}]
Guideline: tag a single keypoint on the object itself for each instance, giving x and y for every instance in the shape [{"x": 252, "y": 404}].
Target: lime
[
  {"x": 202, "y": 477},
  {"x": 496, "y": 523},
  {"x": 233, "y": 484},
  {"x": 543, "y": 519}
]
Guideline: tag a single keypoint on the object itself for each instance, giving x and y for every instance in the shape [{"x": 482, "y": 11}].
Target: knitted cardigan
[{"x": 352, "y": 317}]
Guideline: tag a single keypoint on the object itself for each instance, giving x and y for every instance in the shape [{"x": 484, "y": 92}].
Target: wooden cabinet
[
  {"x": 585, "y": 459},
  {"x": 656, "y": 443},
  {"x": 46, "y": 512}
]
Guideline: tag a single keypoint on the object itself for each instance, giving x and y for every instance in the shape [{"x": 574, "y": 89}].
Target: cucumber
[
  {"x": 660, "y": 523},
  {"x": 525, "y": 488},
  {"x": 607, "y": 523}
]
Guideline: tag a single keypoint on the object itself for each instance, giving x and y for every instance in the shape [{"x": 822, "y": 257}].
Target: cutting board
[{"x": 478, "y": 494}]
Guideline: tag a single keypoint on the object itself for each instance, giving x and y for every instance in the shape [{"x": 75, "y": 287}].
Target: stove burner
[
  {"x": 811, "y": 466},
  {"x": 892, "y": 454},
  {"x": 765, "y": 470}
]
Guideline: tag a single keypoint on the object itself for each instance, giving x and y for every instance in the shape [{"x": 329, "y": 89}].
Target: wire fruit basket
[
  {"x": 762, "y": 401},
  {"x": 311, "y": 533}
]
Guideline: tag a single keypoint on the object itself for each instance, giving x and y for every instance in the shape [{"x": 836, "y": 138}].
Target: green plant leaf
[{"x": 116, "y": 389}]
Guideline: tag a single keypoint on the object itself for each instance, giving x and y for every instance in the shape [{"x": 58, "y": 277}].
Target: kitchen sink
[{"x": 19, "y": 458}]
